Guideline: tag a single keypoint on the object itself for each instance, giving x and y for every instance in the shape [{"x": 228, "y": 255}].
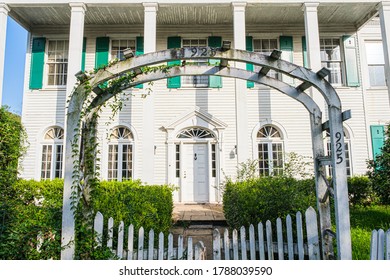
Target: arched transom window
[
  {"x": 195, "y": 133},
  {"x": 270, "y": 151},
  {"x": 52, "y": 153},
  {"x": 120, "y": 154}
]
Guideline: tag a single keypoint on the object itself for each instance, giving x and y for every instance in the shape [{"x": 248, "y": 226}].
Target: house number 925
[
  {"x": 339, "y": 148},
  {"x": 203, "y": 51}
]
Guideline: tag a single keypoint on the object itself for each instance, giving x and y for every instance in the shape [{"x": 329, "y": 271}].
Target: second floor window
[
  {"x": 118, "y": 46},
  {"x": 375, "y": 63},
  {"x": 265, "y": 46},
  {"x": 195, "y": 81},
  {"x": 57, "y": 62},
  {"x": 331, "y": 58}
]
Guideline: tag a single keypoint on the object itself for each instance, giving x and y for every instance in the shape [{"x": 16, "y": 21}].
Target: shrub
[
  {"x": 379, "y": 172},
  {"x": 36, "y": 208},
  {"x": 134, "y": 203},
  {"x": 360, "y": 191},
  {"x": 266, "y": 198},
  {"x": 12, "y": 137}
]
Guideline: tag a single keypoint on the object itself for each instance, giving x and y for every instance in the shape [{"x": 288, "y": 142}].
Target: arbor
[{"x": 379, "y": 171}]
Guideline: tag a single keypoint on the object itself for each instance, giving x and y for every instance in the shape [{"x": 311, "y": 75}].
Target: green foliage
[
  {"x": 35, "y": 208},
  {"x": 131, "y": 202},
  {"x": 360, "y": 191},
  {"x": 134, "y": 203},
  {"x": 379, "y": 172},
  {"x": 266, "y": 198},
  {"x": 298, "y": 166},
  {"x": 12, "y": 147},
  {"x": 363, "y": 221}
]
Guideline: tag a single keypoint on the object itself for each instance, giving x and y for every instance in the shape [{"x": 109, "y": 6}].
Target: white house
[{"x": 193, "y": 131}]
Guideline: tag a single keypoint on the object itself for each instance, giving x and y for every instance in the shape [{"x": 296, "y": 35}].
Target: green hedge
[
  {"x": 37, "y": 208},
  {"x": 266, "y": 198},
  {"x": 133, "y": 203}
]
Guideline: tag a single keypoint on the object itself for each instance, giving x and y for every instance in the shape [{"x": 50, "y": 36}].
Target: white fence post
[
  {"x": 226, "y": 244},
  {"x": 252, "y": 242},
  {"x": 216, "y": 245},
  {"x": 279, "y": 232},
  {"x": 243, "y": 243},
  {"x": 151, "y": 245},
  {"x": 141, "y": 243},
  {"x": 290, "y": 242},
  {"x": 312, "y": 234},
  {"x": 130, "y": 243},
  {"x": 119, "y": 250},
  {"x": 301, "y": 252},
  {"x": 260, "y": 230},
  {"x": 98, "y": 227},
  {"x": 270, "y": 244}
]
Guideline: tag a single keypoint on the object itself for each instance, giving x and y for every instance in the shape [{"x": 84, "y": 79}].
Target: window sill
[
  {"x": 379, "y": 88},
  {"x": 54, "y": 88}
]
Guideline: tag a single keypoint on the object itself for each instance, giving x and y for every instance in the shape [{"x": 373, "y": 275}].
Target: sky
[{"x": 15, "y": 56}]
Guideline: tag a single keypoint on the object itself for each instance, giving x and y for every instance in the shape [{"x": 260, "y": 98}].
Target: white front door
[{"x": 195, "y": 183}]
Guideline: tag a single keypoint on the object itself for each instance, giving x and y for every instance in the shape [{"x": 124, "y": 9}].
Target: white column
[
  {"x": 148, "y": 144},
  {"x": 384, "y": 15},
  {"x": 313, "y": 45},
  {"x": 3, "y": 34},
  {"x": 76, "y": 36},
  {"x": 241, "y": 90},
  {"x": 74, "y": 65}
]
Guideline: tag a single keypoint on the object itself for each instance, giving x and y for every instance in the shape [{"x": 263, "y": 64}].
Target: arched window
[
  {"x": 270, "y": 151},
  {"x": 120, "y": 154},
  {"x": 347, "y": 145},
  {"x": 52, "y": 153},
  {"x": 195, "y": 133}
]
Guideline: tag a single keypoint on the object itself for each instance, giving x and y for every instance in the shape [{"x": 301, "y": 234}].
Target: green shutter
[
  {"x": 102, "y": 49},
  {"x": 351, "y": 66},
  {"x": 304, "y": 52},
  {"x": 139, "y": 50},
  {"x": 249, "y": 67},
  {"x": 286, "y": 46},
  {"x": 215, "y": 42},
  {"x": 83, "y": 54},
  {"x": 174, "y": 42},
  {"x": 377, "y": 139},
  {"x": 37, "y": 63}
]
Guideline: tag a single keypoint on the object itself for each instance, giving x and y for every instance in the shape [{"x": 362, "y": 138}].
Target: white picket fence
[
  {"x": 239, "y": 248},
  {"x": 141, "y": 252},
  {"x": 380, "y": 245}
]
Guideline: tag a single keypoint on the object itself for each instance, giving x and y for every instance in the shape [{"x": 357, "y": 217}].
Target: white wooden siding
[{"x": 43, "y": 108}]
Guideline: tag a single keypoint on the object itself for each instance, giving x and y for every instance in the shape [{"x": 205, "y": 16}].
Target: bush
[
  {"x": 266, "y": 198},
  {"x": 379, "y": 172},
  {"x": 133, "y": 203},
  {"x": 360, "y": 191},
  {"x": 12, "y": 137},
  {"x": 36, "y": 208}
]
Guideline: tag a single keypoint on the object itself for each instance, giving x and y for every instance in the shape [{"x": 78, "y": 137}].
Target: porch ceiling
[{"x": 351, "y": 14}]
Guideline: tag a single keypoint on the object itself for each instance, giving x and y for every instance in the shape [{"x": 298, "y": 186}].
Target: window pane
[
  {"x": 112, "y": 162},
  {"x": 57, "y": 62},
  {"x": 195, "y": 81},
  {"x": 377, "y": 75}
]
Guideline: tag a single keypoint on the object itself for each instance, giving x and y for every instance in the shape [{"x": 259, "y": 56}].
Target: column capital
[
  {"x": 150, "y": 6},
  {"x": 78, "y": 7},
  {"x": 4, "y": 8},
  {"x": 310, "y": 6},
  {"x": 239, "y": 6},
  {"x": 383, "y": 5}
]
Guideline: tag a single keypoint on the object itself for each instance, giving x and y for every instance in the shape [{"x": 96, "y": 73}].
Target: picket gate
[
  {"x": 238, "y": 247},
  {"x": 380, "y": 245},
  {"x": 140, "y": 251}
]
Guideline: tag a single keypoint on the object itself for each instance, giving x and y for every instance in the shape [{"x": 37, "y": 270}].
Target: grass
[{"x": 363, "y": 221}]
